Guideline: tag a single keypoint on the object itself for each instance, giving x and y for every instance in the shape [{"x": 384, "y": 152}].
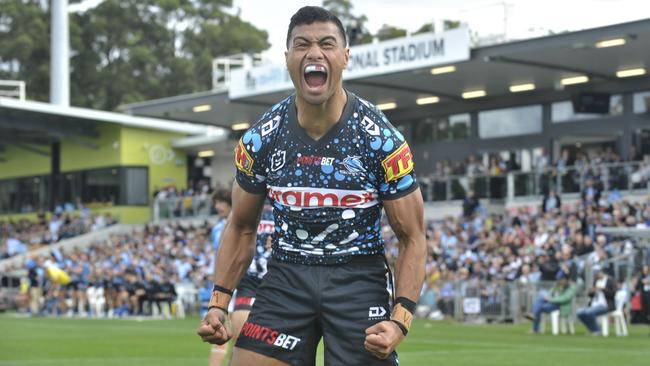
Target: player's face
[{"x": 315, "y": 59}]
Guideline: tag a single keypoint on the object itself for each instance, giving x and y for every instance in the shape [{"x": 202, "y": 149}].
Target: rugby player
[
  {"x": 247, "y": 287},
  {"x": 329, "y": 161}
]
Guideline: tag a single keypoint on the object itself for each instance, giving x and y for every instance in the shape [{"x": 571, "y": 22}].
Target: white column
[{"x": 60, "y": 55}]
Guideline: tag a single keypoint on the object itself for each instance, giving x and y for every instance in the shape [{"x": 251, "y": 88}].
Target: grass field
[{"x": 84, "y": 342}]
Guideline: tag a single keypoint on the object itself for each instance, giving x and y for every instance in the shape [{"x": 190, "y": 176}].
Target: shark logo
[{"x": 353, "y": 165}]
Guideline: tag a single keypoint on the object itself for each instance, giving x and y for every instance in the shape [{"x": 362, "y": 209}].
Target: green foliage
[
  {"x": 389, "y": 32},
  {"x": 25, "y": 45},
  {"x": 125, "y": 51},
  {"x": 354, "y": 25},
  {"x": 425, "y": 28}
]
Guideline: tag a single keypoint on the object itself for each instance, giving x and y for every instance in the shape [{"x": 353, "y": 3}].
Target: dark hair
[
  {"x": 222, "y": 195},
  {"x": 311, "y": 14}
]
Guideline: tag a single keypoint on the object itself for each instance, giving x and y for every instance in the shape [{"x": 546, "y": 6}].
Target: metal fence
[
  {"x": 508, "y": 301},
  {"x": 632, "y": 176},
  {"x": 180, "y": 207}
]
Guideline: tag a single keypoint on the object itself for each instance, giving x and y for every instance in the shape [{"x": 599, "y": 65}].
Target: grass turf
[{"x": 77, "y": 342}]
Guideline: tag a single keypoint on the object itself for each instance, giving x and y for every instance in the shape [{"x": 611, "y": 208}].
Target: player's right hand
[{"x": 214, "y": 328}]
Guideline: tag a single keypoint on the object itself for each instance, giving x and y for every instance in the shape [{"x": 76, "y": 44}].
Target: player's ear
[{"x": 346, "y": 57}]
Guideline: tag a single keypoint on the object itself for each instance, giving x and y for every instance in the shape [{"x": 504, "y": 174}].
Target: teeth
[{"x": 315, "y": 68}]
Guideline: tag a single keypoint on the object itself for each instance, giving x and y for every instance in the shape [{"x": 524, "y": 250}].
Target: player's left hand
[{"x": 382, "y": 338}]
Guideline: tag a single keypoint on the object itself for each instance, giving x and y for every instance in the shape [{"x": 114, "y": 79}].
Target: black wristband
[
  {"x": 218, "y": 307},
  {"x": 407, "y": 304},
  {"x": 222, "y": 289},
  {"x": 401, "y": 326}
]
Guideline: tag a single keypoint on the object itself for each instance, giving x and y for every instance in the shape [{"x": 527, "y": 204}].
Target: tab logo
[
  {"x": 376, "y": 312},
  {"x": 399, "y": 163},
  {"x": 243, "y": 160}
]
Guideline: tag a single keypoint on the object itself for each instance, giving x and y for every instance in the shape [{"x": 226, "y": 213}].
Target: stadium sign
[{"x": 407, "y": 53}]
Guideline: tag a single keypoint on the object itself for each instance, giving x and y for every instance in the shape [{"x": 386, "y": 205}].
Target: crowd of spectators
[
  {"x": 133, "y": 274},
  {"x": 495, "y": 164},
  {"x": 193, "y": 201},
  {"x": 21, "y": 236},
  {"x": 526, "y": 246},
  {"x": 137, "y": 272}
]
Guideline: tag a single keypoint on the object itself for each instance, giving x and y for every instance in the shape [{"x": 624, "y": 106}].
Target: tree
[
  {"x": 25, "y": 45},
  {"x": 124, "y": 51},
  {"x": 354, "y": 25},
  {"x": 425, "y": 28},
  {"x": 389, "y": 32}
]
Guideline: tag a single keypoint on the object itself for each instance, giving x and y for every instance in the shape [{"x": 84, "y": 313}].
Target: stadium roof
[
  {"x": 543, "y": 62},
  {"x": 28, "y": 122}
]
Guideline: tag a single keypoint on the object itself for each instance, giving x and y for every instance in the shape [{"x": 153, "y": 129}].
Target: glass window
[
  {"x": 510, "y": 122},
  {"x": 459, "y": 124},
  {"x": 423, "y": 130},
  {"x": 24, "y": 194},
  {"x": 563, "y": 111},
  {"x": 8, "y": 195},
  {"x": 136, "y": 186},
  {"x": 101, "y": 186},
  {"x": 642, "y": 102}
]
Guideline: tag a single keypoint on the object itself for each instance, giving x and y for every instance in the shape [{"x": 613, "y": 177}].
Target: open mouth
[{"x": 315, "y": 75}]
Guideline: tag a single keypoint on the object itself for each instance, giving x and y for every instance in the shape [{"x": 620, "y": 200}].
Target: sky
[{"x": 519, "y": 19}]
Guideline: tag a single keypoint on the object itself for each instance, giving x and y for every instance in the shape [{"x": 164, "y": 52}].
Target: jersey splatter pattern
[
  {"x": 265, "y": 232},
  {"x": 327, "y": 194}
]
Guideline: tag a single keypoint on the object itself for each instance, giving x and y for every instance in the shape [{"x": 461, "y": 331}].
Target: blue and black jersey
[
  {"x": 265, "y": 231},
  {"x": 327, "y": 194}
]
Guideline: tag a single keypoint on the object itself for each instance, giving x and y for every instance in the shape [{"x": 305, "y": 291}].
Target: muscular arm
[
  {"x": 237, "y": 246},
  {"x": 406, "y": 218}
]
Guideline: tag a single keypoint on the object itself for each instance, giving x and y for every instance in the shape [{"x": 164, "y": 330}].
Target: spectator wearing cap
[
  {"x": 559, "y": 298},
  {"x": 601, "y": 302}
]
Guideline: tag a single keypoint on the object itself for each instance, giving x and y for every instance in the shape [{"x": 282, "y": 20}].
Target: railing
[
  {"x": 180, "y": 207},
  {"x": 620, "y": 176},
  {"x": 507, "y": 301}
]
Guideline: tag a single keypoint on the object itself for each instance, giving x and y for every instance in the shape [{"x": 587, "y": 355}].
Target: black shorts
[
  {"x": 246, "y": 293},
  {"x": 297, "y": 304}
]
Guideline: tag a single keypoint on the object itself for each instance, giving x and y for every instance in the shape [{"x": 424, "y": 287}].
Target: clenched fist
[{"x": 215, "y": 327}]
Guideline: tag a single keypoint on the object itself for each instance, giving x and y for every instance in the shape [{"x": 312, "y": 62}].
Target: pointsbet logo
[
  {"x": 270, "y": 336},
  {"x": 399, "y": 163}
]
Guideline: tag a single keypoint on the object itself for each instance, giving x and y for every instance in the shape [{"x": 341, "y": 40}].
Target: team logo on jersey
[
  {"x": 399, "y": 163},
  {"x": 278, "y": 159},
  {"x": 353, "y": 166},
  {"x": 243, "y": 160},
  {"x": 370, "y": 126}
]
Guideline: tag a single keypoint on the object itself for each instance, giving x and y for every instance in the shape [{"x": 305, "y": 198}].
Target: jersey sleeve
[
  {"x": 394, "y": 166},
  {"x": 251, "y": 174}
]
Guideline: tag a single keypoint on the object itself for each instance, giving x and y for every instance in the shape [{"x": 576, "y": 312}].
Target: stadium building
[
  {"x": 52, "y": 157},
  {"x": 521, "y": 101}
]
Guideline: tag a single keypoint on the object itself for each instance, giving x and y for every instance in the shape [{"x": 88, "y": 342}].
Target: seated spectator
[
  {"x": 601, "y": 302},
  {"x": 551, "y": 202},
  {"x": 560, "y": 298}
]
